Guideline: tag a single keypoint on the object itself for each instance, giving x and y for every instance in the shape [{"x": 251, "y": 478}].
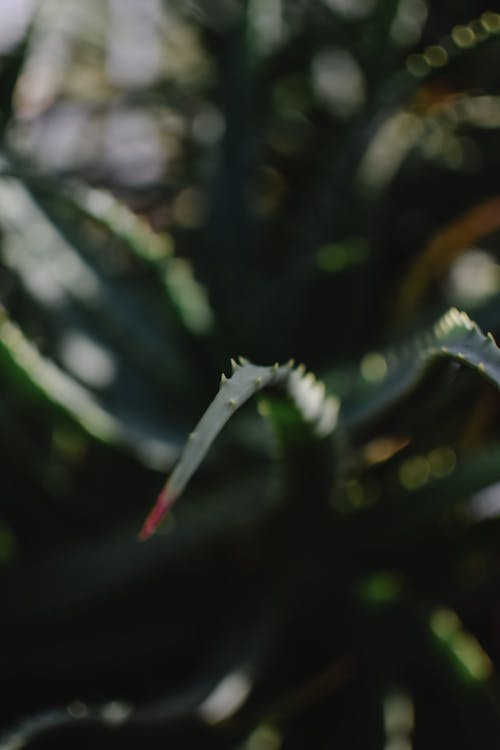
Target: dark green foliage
[{"x": 313, "y": 180}]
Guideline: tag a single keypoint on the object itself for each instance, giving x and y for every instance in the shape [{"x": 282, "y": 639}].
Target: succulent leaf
[
  {"x": 305, "y": 392},
  {"x": 394, "y": 375}
]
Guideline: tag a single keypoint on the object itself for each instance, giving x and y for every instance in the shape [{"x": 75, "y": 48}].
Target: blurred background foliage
[{"x": 181, "y": 182}]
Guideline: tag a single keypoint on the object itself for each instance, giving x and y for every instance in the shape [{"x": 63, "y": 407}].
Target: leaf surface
[
  {"x": 305, "y": 393},
  {"x": 396, "y": 374}
]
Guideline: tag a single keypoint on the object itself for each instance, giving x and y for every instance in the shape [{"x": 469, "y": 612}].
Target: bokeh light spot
[
  {"x": 374, "y": 367},
  {"x": 436, "y": 56}
]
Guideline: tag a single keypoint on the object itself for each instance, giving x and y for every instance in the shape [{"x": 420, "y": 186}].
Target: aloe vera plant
[{"x": 309, "y": 180}]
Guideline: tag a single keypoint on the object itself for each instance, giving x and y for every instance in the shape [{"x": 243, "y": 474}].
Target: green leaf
[
  {"x": 43, "y": 379},
  {"x": 386, "y": 378},
  {"x": 153, "y": 250},
  {"x": 384, "y": 381},
  {"x": 76, "y": 296},
  {"x": 306, "y": 394},
  {"x": 63, "y": 267}
]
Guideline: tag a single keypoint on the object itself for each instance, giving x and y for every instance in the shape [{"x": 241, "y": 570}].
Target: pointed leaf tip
[{"x": 160, "y": 509}]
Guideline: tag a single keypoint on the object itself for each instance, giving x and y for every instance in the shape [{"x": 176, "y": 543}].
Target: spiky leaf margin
[
  {"x": 454, "y": 337},
  {"x": 305, "y": 392}
]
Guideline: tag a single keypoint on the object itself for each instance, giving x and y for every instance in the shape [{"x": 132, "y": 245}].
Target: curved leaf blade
[
  {"x": 306, "y": 393},
  {"x": 454, "y": 337}
]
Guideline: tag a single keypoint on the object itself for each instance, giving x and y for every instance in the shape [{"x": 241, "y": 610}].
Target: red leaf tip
[{"x": 159, "y": 511}]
